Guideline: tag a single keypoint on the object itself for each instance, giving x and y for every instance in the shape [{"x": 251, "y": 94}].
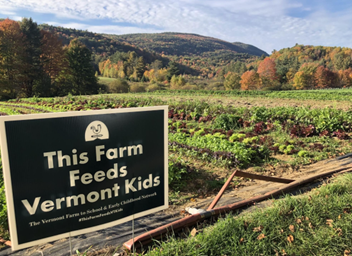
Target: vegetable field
[{"x": 208, "y": 140}]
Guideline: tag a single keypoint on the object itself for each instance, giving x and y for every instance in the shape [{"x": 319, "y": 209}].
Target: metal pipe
[
  {"x": 262, "y": 177},
  {"x": 221, "y": 192}
]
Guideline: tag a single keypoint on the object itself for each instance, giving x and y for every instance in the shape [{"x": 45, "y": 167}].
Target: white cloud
[
  {"x": 16, "y": 18},
  {"x": 112, "y": 29},
  {"x": 7, "y": 11},
  {"x": 263, "y": 23}
]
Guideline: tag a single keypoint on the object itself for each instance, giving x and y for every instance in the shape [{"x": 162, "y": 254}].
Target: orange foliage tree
[
  {"x": 11, "y": 57},
  {"x": 267, "y": 73},
  {"x": 53, "y": 55},
  {"x": 345, "y": 77},
  {"x": 325, "y": 78},
  {"x": 250, "y": 80}
]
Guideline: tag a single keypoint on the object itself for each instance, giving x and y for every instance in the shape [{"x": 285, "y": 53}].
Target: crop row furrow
[{"x": 22, "y": 106}]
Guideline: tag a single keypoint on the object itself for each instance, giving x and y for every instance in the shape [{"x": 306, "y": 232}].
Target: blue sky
[{"x": 267, "y": 24}]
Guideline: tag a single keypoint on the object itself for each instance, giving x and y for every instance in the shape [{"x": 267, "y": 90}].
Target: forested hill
[
  {"x": 206, "y": 55},
  {"x": 250, "y": 49},
  {"x": 185, "y": 44},
  {"x": 194, "y": 54},
  {"x": 101, "y": 46}
]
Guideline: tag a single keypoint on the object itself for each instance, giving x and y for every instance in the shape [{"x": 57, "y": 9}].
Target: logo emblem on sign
[{"x": 96, "y": 130}]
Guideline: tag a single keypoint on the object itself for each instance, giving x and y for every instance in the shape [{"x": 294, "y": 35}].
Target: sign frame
[{"x": 8, "y": 180}]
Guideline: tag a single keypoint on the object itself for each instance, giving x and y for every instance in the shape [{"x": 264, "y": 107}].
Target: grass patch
[
  {"x": 105, "y": 80},
  {"x": 317, "y": 223}
]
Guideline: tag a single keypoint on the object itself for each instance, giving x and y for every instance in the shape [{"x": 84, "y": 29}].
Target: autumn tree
[
  {"x": 325, "y": 78},
  {"x": 344, "y": 78},
  {"x": 53, "y": 55},
  {"x": 267, "y": 73},
  {"x": 250, "y": 80},
  {"x": 305, "y": 77},
  {"x": 300, "y": 81},
  {"x": 55, "y": 66},
  {"x": 12, "y": 52},
  {"x": 159, "y": 75}
]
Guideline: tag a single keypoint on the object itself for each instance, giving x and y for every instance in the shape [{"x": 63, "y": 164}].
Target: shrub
[
  {"x": 217, "y": 86},
  {"x": 286, "y": 87},
  {"x": 3, "y": 214},
  {"x": 189, "y": 87},
  {"x": 137, "y": 88},
  {"x": 177, "y": 82},
  {"x": 153, "y": 87},
  {"x": 3, "y": 208},
  {"x": 118, "y": 86}
]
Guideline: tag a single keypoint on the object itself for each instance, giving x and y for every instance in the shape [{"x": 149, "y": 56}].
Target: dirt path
[{"x": 257, "y": 101}]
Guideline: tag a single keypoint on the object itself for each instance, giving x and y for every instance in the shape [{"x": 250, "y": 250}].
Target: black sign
[{"x": 77, "y": 172}]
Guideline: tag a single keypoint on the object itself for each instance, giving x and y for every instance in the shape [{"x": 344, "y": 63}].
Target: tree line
[
  {"x": 130, "y": 66},
  {"x": 34, "y": 62},
  {"x": 299, "y": 67}
]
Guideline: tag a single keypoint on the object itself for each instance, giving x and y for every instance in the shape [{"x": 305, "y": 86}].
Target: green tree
[
  {"x": 140, "y": 68},
  {"x": 33, "y": 72},
  {"x": 132, "y": 58},
  {"x": 177, "y": 82},
  {"x": 156, "y": 65},
  {"x": 82, "y": 78},
  {"x": 284, "y": 64},
  {"x": 172, "y": 70},
  {"x": 262, "y": 57},
  {"x": 305, "y": 77},
  {"x": 341, "y": 62},
  {"x": 232, "y": 81}
]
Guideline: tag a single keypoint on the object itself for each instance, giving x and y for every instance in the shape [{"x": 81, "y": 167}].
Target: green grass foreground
[{"x": 316, "y": 223}]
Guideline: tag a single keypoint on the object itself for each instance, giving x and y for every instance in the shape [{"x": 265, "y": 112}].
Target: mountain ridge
[{"x": 184, "y": 43}]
